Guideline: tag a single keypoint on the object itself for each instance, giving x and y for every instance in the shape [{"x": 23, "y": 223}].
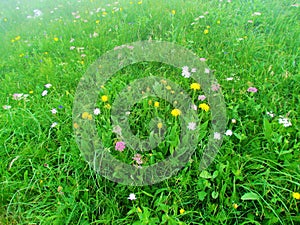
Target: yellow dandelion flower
[
  {"x": 139, "y": 210},
  {"x": 235, "y": 206},
  {"x": 104, "y": 98},
  {"x": 17, "y": 38},
  {"x": 55, "y": 39},
  {"x": 173, "y": 12},
  {"x": 97, "y": 21},
  {"x": 204, "y": 107},
  {"x": 296, "y": 195},
  {"x": 75, "y": 125},
  {"x": 104, "y": 14},
  {"x": 176, "y": 112},
  {"x": 140, "y": 2},
  {"x": 21, "y": 55},
  {"x": 159, "y": 125},
  {"x": 90, "y": 117},
  {"x": 163, "y": 81},
  {"x": 195, "y": 86},
  {"x": 12, "y": 40},
  {"x": 181, "y": 211},
  {"x": 156, "y": 104},
  {"x": 168, "y": 87},
  {"x": 206, "y": 31},
  {"x": 30, "y": 92},
  {"x": 85, "y": 115}
]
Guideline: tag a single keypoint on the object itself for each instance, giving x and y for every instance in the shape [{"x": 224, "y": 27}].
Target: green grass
[{"x": 44, "y": 178}]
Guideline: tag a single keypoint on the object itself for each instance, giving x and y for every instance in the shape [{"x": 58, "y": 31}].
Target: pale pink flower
[
  {"x": 206, "y": 70},
  {"x": 215, "y": 87},
  {"x": 194, "y": 107},
  {"x": 217, "y": 136},
  {"x": 201, "y": 97},
  {"x": 17, "y": 96},
  {"x": 192, "y": 126},
  {"x": 120, "y": 145},
  {"x": 202, "y": 59},
  {"x": 138, "y": 158},
  {"x": 252, "y": 89}
]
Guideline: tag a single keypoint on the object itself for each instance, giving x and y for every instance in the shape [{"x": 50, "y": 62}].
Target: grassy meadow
[{"x": 252, "y": 47}]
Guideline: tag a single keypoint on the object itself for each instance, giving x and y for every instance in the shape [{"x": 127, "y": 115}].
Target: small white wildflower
[
  {"x": 44, "y": 93},
  {"x": 54, "y": 124},
  {"x": 97, "y": 111},
  {"x": 48, "y": 85},
  {"x": 54, "y": 111},
  {"x": 132, "y": 197},
  {"x": 228, "y": 133},
  {"x": 217, "y": 136}
]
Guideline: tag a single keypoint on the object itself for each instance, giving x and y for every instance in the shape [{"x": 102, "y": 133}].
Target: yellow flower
[
  {"x": 17, "y": 38},
  {"x": 176, "y": 112},
  {"x": 139, "y": 210},
  {"x": 159, "y": 125},
  {"x": 195, "y": 86},
  {"x": 156, "y": 104},
  {"x": 75, "y": 125},
  {"x": 205, "y": 31},
  {"x": 12, "y": 40},
  {"x": 235, "y": 206},
  {"x": 97, "y": 21},
  {"x": 21, "y": 55},
  {"x": 86, "y": 115},
  {"x": 181, "y": 211},
  {"x": 296, "y": 195},
  {"x": 168, "y": 87},
  {"x": 204, "y": 107},
  {"x": 30, "y": 92},
  {"x": 140, "y": 2},
  {"x": 150, "y": 102},
  {"x": 173, "y": 12},
  {"x": 107, "y": 106},
  {"x": 104, "y": 14},
  {"x": 55, "y": 39},
  {"x": 104, "y": 98}
]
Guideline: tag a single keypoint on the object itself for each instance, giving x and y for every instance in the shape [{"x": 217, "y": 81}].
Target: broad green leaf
[{"x": 250, "y": 196}]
